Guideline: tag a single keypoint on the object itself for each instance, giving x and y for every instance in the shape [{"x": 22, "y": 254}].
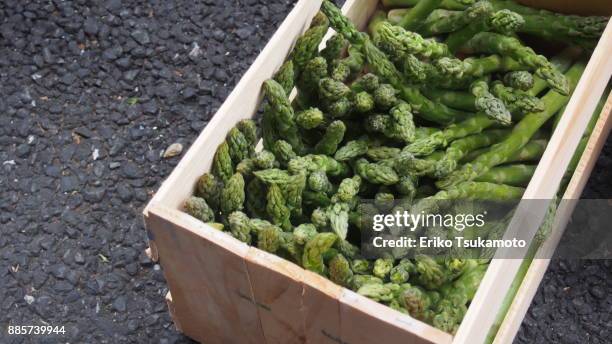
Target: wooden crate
[{"x": 223, "y": 291}]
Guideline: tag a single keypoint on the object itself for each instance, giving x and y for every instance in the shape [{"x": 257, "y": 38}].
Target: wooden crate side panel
[
  {"x": 543, "y": 186},
  {"x": 321, "y": 309},
  {"x": 364, "y": 321},
  {"x": 530, "y": 284},
  {"x": 206, "y": 274},
  {"x": 277, "y": 290}
]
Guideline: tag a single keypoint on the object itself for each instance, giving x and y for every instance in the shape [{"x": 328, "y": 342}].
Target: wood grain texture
[
  {"x": 321, "y": 308},
  {"x": 207, "y": 276},
  {"x": 277, "y": 290}
]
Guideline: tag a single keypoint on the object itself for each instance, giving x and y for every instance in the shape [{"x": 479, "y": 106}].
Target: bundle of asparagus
[{"x": 439, "y": 101}]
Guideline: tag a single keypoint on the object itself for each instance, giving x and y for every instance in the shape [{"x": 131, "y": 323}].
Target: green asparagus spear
[
  {"x": 446, "y": 4},
  {"x": 443, "y": 21},
  {"x": 414, "y": 18},
  {"x": 232, "y": 195},
  {"x": 521, "y": 80},
  {"x": 384, "y": 68},
  {"x": 376, "y": 173},
  {"x": 351, "y": 150},
  {"x": 240, "y": 227},
  {"x": 340, "y": 271},
  {"x": 314, "y": 250},
  {"x": 520, "y": 135},
  {"x": 352, "y": 64},
  {"x": 209, "y": 188},
  {"x": 515, "y": 175},
  {"x": 284, "y": 117},
  {"x": 277, "y": 208},
  {"x": 531, "y": 152},
  {"x": 428, "y": 145},
  {"x": 310, "y": 118},
  {"x": 459, "y": 148},
  {"x": 366, "y": 83},
  {"x": 503, "y": 21},
  {"x": 518, "y": 102},
  {"x": 222, "y": 166},
  {"x": 488, "y": 104},
  {"x": 333, "y": 48},
  {"x": 490, "y": 42},
  {"x": 332, "y": 138},
  {"x": 198, "y": 208}
]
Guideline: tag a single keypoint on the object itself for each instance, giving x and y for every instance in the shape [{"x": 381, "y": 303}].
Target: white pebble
[{"x": 173, "y": 150}]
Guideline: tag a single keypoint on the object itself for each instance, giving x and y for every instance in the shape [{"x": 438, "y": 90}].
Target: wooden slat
[
  {"x": 207, "y": 276},
  {"x": 321, "y": 309},
  {"x": 543, "y": 186},
  {"x": 538, "y": 267},
  {"x": 277, "y": 289},
  {"x": 364, "y": 321}
]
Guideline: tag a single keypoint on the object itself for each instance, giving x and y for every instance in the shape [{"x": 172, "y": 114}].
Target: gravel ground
[{"x": 92, "y": 93}]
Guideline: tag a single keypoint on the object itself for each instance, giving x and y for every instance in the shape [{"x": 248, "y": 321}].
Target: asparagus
[
  {"x": 398, "y": 42},
  {"x": 350, "y": 65},
  {"x": 503, "y": 21},
  {"x": 539, "y": 238},
  {"x": 333, "y": 136},
  {"x": 232, "y": 196},
  {"x": 209, "y": 188},
  {"x": 520, "y": 135},
  {"x": 428, "y": 145},
  {"x": 222, "y": 166},
  {"x": 532, "y": 151},
  {"x": 412, "y": 20},
  {"x": 283, "y": 114},
  {"x": 482, "y": 191},
  {"x": 517, "y": 102},
  {"x": 488, "y": 104},
  {"x": 333, "y": 48},
  {"x": 446, "y": 4},
  {"x": 380, "y": 64},
  {"x": 521, "y": 80},
  {"x": 515, "y": 175},
  {"x": 490, "y": 42},
  {"x": 198, "y": 208},
  {"x": 461, "y": 147},
  {"x": 240, "y": 228},
  {"x": 314, "y": 250},
  {"x": 376, "y": 173},
  {"x": 351, "y": 150},
  {"x": 277, "y": 208},
  {"x": 442, "y": 21}
]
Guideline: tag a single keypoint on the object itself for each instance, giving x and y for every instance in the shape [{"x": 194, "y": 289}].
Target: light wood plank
[
  {"x": 207, "y": 276},
  {"x": 321, "y": 309},
  {"x": 277, "y": 289}
]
